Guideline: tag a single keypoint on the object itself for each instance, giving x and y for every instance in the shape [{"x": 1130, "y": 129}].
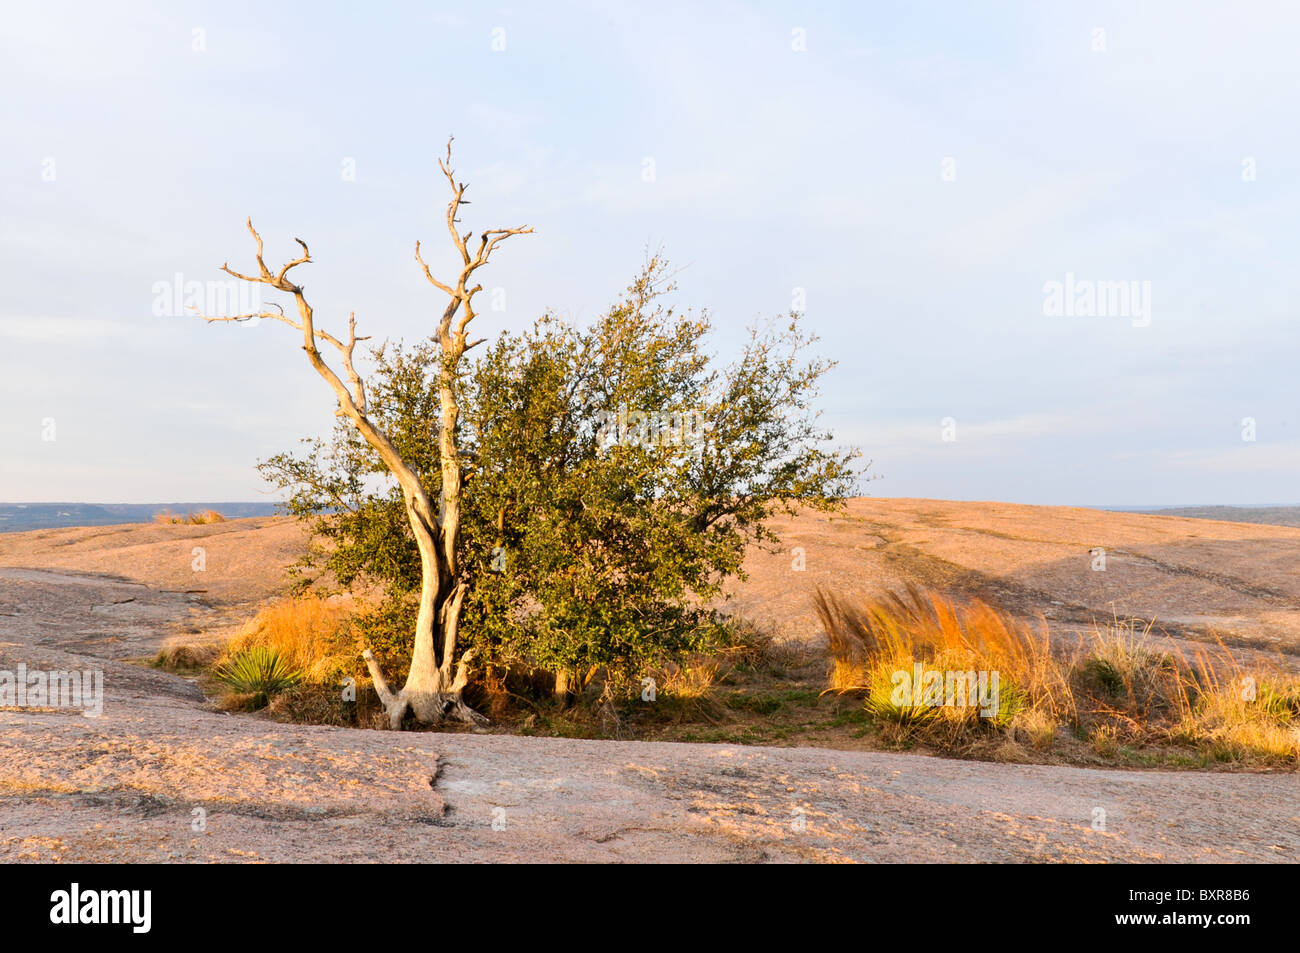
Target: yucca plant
[{"x": 258, "y": 671}]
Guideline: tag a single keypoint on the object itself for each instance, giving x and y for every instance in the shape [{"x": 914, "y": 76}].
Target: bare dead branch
[
  {"x": 278, "y": 281},
  {"x": 258, "y": 238},
  {"x": 276, "y": 315},
  {"x": 446, "y": 289},
  {"x": 226, "y": 268},
  {"x": 306, "y": 258},
  {"x": 431, "y": 691},
  {"x": 358, "y": 386}
]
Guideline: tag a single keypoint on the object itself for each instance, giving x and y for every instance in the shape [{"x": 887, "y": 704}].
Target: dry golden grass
[
  {"x": 315, "y": 637},
  {"x": 1208, "y": 702},
  {"x": 1212, "y": 704},
  {"x": 311, "y": 632},
  {"x": 693, "y": 681},
  {"x": 687, "y": 691},
  {"x": 1120, "y": 694},
  {"x": 201, "y": 518},
  {"x": 183, "y": 657},
  {"x": 873, "y": 641}
]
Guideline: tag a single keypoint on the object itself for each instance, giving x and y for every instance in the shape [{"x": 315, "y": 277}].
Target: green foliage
[
  {"x": 386, "y": 629},
  {"x": 881, "y": 704},
  {"x": 1281, "y": 703},
  {"x": 613, "y": 477},
  {"x": 1105, "y": 672},
  {"x": 259, "y": 671}
]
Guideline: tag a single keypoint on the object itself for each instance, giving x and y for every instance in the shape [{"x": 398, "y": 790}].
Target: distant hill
[
  {"x": 17, "y": 517},
  {"x": 1270, "y": 515}
]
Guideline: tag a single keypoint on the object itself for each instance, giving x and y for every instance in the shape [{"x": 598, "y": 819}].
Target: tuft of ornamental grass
[
  {"x": 1124, "y": 675},
  {"x": 689, "y": 688},
  {"x": 1121, "y": 692},
  {"x": 878, "y": 643}
]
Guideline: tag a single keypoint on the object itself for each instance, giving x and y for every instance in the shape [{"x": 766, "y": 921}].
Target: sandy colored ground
[
  {"x": 132, "y": 784},
  {"x": 243, "y": 560}
]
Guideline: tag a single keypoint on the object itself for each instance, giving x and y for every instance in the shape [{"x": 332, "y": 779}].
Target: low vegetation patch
[
  {"x": 966, "y": 678},
  {"x": 297, "y": 658},
  {"x": 898, "y": 667},
  {"x": 311, "y": 633},
  {"x": 168, "y": 518},
  {"x": 955, "y": 676}
]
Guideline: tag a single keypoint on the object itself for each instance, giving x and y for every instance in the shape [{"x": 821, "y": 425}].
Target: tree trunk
[
  {"x": 563, "y": 686},
  {"x": 432, "y": 692}
]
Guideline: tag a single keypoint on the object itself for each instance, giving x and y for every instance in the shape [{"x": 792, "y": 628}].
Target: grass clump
[
  {"x": 936, "y": 672},
  {"x": 187, "y": 658},
  {"x": 1147, "y": 696},
  {"x": 1121, "y": 696}
]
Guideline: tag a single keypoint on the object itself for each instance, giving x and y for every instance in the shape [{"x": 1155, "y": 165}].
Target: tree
[
  {"x": 615, "y": 475},
  {"x": 439, "y": 670}
]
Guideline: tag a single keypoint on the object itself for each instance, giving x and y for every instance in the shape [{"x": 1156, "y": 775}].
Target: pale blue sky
[{"x": 775, "y": 169}]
